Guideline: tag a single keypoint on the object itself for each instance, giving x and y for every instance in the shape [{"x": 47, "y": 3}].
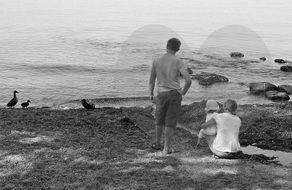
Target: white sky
[
  {"x": 60, "y": 12},
  {"x": 268, "y": 18}
]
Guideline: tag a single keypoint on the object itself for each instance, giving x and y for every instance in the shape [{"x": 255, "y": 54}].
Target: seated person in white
[
  {"x": 226, "y": 140},
  {"x": 211, "y": 109}
]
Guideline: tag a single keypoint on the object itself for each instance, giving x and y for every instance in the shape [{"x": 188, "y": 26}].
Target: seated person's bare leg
[{"x": 200, "y": 136}]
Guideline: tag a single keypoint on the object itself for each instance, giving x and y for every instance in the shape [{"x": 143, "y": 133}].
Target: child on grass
[{"x": 211, "y": 109}]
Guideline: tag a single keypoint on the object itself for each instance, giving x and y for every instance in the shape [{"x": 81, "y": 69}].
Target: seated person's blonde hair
[{"x": 230, "y": 105}]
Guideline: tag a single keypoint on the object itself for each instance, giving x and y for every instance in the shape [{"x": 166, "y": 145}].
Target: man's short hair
[
  {"x": 230, "y": 105},
  {"x": 173, "y": 44}
]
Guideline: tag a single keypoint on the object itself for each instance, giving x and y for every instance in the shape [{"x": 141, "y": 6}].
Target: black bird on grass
[
  {"x": 87, "y": 105},
  {"x": 13, "y": 101},
  {"x": 25, "y": 104}
]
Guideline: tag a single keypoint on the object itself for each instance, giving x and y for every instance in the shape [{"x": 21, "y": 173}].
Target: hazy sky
[
  {"x": 209, "y": 13},
  {"x": 195, "y": 18}
]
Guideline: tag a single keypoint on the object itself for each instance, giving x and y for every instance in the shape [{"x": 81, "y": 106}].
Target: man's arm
[
  {"x": 209, "y": 123},
  {"x": 186, "y": 76},
  {"x": 152, "y": 81}
]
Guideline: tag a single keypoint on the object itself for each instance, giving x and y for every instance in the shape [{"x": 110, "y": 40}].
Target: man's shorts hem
[{"x": 168, "y": 106}]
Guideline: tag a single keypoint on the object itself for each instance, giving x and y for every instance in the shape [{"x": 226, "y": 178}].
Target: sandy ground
[{"x": 108, "y": 148}]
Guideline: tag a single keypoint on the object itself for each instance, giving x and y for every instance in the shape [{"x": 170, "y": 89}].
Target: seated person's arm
[{"x": 209, "y": 123}]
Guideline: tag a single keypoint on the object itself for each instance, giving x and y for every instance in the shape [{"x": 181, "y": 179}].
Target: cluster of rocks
[
  {"x": 271, "y": 91},
  {"x": 239, "y": 55},
  {"x": 267, "y": 89},
  {"x": 285, "y": 68},
  {"x": 207, "y": 79}
]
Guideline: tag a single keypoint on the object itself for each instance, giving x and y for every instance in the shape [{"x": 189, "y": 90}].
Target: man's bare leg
[
  {"x": 158, "y": 133},
  {"x": 168, "y": 139}
]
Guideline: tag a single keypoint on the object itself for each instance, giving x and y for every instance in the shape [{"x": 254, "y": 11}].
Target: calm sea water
[{"x": 58, "y": 52}]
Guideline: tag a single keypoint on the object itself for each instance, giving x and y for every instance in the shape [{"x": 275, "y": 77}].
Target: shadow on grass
[{"x": 133, "y": 168}]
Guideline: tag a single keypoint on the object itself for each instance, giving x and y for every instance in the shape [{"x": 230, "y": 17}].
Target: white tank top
[{"x": 227, "y": 132}]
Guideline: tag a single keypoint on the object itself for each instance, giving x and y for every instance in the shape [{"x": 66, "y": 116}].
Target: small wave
[
  {"x": 142, "y": 67},
  {"x": 93, "y": 42},
  {"x": 114, "y": 99},
  {"x": 187, "y": 58},
  {"x": 105, "y": 45},
  {"x": 213, "y": 57},
  {"x": 64, "y": 69},
  {"x": 197, "y": 53},
  {"x": 140, "y": 101},
  {"x": 232, "y": 60},
  {"x": 221, "y": 62}
]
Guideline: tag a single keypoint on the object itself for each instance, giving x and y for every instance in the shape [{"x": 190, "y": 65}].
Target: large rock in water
[
  {"x": 275, "y": 95},
  {"x": 279, "y": 61},
  {"x": 286, "y": 68},
  {"x": 285, "y": 88},
  {"x": 206, "y": 79},
  {"x": 261, "y": 87},
  {"x": 236, "y": 54}
]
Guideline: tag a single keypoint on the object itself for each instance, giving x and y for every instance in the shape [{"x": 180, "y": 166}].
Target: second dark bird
[
  {"x": 87, "y": 105},
  {"x": 25, "y": 104}
]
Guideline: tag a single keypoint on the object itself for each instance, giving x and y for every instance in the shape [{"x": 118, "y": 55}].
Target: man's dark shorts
[{"x": 168, "y": 106}]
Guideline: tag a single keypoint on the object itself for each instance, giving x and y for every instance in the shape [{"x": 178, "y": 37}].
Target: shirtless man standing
[{"x": 167, "y": 70}]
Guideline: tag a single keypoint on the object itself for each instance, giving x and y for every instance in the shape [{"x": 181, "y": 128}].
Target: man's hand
[
  {"x": 180, "y": 91},
  {"x": 151, "y": 98}
]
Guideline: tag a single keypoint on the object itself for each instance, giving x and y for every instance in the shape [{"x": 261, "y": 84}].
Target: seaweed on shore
[{"x": 109, "y": 148}]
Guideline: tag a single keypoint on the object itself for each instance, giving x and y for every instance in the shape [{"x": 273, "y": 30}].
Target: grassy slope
[{"x": 109, "y": 149}]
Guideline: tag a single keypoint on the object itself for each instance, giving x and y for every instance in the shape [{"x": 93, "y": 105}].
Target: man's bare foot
[
  {"x": 156, "y": 146},
  {"x": 168, "y": 151}
]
